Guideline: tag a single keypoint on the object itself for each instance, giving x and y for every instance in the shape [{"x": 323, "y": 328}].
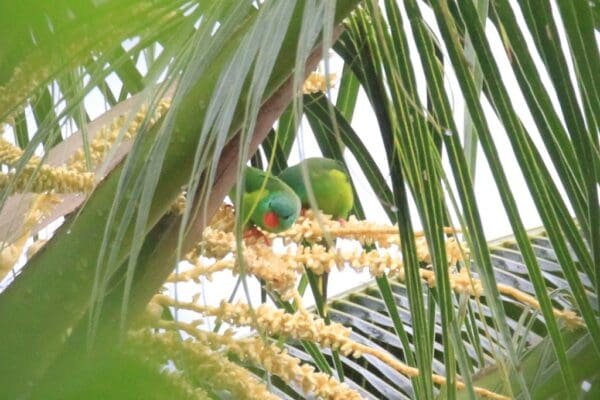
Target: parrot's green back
[
  {"x": 330, "y": 185},
  {"x": 267, "y": 202}
]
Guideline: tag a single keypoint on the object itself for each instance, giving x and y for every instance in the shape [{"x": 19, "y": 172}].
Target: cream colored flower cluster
[
  {"x": 301, "y": 326},
  {"x": 321, "y": 259},
  {"x": 217, "y": 238},
  {"x": 321, "y": 227},
  {"x": 572, "y": 320},
  {"x": 11, "y": 154},
  {"x": 178, "y": 206},
  {"x": 463, "y": 282},
  {"x": 202, "y": 270},
  {"x": 278, "y": 362},
  {"x": 74, "y": 177},
  {"x": 42, "y": 178},
  {"x": 317, "y": 82},
  {"x": 317, "y": 228},
  {"x": 200, "y": 363},
  {"x": 280, "y": 271},
  {"x": 262, "y": 262},
  {"x": 108, "y": 135},
  {"x": 216, "y": 243},
  {"x": 273, "y": 359},
  {"x": 46, "y": 178},
  {"x": 10, "y": 253},
  {"x": 271, "y": 321}
]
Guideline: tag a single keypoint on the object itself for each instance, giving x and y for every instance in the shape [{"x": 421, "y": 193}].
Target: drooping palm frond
[
  {"x": 361, "y": 49},
  {"x": 364, "y": 310}
]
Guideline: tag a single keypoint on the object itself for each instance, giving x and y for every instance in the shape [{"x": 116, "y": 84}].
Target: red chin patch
[{"x": 271, "y": 220}]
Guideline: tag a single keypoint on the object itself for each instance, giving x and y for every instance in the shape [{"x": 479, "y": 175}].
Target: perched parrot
[
  {"x": 331, "y": 189},
  {"x": 274, "y": 207},
  {"x": 330, "y": 185}
]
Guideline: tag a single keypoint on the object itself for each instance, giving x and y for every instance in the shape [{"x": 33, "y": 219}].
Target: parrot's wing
[
  {"x": 255, "y": 179},
  {"x": 332, "y": 186},
  {"x": 252, "y": 193}
]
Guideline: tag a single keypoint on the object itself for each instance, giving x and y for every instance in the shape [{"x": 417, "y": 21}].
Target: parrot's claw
[
  {"x": 342, "y": 221},
  {"x": 303, "y": 212},
  {"x": 255, "y": 233}
]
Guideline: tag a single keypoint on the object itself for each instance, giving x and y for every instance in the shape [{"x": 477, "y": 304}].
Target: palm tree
[{"x": 71, "y": 314}]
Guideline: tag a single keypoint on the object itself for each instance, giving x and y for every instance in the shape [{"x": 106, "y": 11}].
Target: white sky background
[{"x": 364, "y": 123}]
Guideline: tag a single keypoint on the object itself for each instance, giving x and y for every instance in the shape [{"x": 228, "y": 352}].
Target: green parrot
[
  {"x": 330, "y": 185},
  {"x": 273, "y": 205},
  {"x": 332, "y": 191}
]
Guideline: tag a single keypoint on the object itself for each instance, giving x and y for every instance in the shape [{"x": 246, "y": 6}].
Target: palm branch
[{"x": 232, "y": 72}]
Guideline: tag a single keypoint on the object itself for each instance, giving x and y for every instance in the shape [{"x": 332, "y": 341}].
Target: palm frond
[{"x": 209, "y": 85}]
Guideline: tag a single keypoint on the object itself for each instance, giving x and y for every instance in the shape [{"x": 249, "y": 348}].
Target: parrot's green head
[{"x": 277, "y": 211}]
